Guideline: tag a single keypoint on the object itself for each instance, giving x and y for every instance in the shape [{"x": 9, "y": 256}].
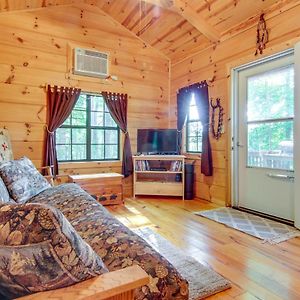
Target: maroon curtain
[
  {"x": 200, "y": 90},
  {"x": 183, "y": 99},
  {"x": 117, "y": 105},
  {"x": 60, "y": 102}
]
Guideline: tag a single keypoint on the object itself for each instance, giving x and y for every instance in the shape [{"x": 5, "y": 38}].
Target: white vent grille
[{"x": 90, "y": 63}]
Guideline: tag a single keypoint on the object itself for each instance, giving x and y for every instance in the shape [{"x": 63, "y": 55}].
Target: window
[
  {"x": 90, "y": 133},
  {"x": 270, "y": 119},
  {"x": 193, "y": 129}
]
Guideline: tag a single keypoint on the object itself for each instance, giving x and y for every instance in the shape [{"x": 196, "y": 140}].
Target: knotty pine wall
[
  {"x": 214, "y": 64},
  {"x": 34, "y": 47}
]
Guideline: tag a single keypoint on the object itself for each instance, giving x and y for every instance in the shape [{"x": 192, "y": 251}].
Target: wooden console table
[
  {"x": 107, "y": 188},
  {"x": 159, "y": 175}
]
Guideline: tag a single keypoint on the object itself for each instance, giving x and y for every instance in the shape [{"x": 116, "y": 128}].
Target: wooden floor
[{"x": 256, "y": 270}]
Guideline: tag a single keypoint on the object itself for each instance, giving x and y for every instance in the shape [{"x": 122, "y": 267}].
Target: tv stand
[{"x": 158, "y": 175}]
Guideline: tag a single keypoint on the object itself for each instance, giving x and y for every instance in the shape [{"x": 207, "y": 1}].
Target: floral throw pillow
[
  {"x": 5, "y": 146},
  {"x": 4, "y": 195},
  {"x": 22, "y": 179},
  {"x": 40, "y": 250}
]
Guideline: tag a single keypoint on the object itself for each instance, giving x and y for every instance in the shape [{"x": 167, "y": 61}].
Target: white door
[{"x": 264, "y": 139}]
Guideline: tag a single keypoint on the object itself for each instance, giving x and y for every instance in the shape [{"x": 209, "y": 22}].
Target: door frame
[{"x": 234, "y": 162}]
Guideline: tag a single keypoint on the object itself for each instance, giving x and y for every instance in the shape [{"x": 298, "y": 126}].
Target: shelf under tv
[{"x": 162, "y": 182}]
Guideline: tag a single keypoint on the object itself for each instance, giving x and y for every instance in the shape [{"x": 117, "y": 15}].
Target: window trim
[{"x": 89, "y": 128}]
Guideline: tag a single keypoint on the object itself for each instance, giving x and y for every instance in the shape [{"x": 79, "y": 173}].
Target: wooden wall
[
  {"x": 214, "y": 65},
  {"x": 34, "y": 47}
]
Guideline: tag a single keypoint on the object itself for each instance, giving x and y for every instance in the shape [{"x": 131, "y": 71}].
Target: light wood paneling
[
  {"x": 34, "y": 47},
  {"x": 214, "y": 65}
]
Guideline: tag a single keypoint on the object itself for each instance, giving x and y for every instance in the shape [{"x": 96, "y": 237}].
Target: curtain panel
[
  {"x": 117, "y": 105},
  {"x": 60, "y": 103},
  {"x": 183, "y": 99},
  {"x": 184, "y": 95}
]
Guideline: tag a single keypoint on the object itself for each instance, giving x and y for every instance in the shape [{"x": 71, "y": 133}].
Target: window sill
[
  {"x": 84, "y": 164},
  {"x": 190, "y": 155}
]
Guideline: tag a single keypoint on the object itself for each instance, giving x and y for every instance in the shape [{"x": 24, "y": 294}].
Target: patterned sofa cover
[{"x": 118, "y": 246}]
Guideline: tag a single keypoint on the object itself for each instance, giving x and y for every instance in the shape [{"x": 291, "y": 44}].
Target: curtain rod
[{"x": 204, "y": 82}]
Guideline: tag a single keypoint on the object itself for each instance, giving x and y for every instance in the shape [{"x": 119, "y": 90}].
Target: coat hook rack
[{"x": 217, "y": 133}]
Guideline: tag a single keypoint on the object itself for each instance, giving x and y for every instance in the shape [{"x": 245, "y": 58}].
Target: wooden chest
[{"x": 107, "y": 188}]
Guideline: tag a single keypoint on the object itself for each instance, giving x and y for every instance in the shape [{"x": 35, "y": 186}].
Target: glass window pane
[
  {"x": 194, "y": 129},
  {"x": 270, "y": 145},
  {"x": 109, "y": 121},
  {"x": 111, "y": 151},
  {"x": 97, "y": 136},
  {"x": 79, "y": 118},
  {"x": 271, "y": 94},
  {"x": 97, "y": 152},
  {"x": 97, "y": 103},
  {"x": 106, "y": 108},
  {"x": 63, "y": 136},
  {"x": 194, "y": 144},
  {"x": 81, "y": 102},
  {"x": 68, "y": 121},
  {"x": 63, "y": 152},
  {"x": 78, "y": 152},
  {"x": 78, "y": 136},
  {"x": 111, "y": 136},
  {"x": 97, "y": 119}
]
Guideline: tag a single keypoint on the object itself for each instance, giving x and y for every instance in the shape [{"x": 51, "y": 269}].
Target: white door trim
[
  {"x": 235, "y": 121},
  {"x": 297, "y": 134}
]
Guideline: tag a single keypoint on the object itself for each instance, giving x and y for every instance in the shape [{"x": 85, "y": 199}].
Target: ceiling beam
[
  {"x": 187, "y": 12},
  {"x": 13, "y": 6}
]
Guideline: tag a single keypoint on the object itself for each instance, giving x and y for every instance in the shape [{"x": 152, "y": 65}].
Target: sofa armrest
[{"x": 107, "y": 286}]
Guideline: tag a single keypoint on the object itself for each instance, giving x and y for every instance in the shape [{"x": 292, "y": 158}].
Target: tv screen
[{"x": 157, "y": 141}]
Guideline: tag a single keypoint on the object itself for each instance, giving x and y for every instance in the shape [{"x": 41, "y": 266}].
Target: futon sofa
[{"x": 63, "y": 230}]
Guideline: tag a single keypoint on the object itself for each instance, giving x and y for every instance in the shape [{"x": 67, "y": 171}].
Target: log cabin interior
[{"x": 149, "y": 149}]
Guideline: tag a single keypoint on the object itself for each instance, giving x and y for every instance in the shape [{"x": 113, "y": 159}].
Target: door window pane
[
  {"x": 270, "y": 145},
  {"x": 271, "y": 94}
]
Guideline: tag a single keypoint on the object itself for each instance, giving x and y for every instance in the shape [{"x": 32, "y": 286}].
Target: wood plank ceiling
[
  {"x": 171, "y": 31},
  {"x": 177, "y": 28}
]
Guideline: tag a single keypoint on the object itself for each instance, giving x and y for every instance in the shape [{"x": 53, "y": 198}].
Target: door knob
[{"x": 239, "y": 145}]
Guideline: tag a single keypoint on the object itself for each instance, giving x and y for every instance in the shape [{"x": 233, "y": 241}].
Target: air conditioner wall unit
[{"x": 90, "y": 63}]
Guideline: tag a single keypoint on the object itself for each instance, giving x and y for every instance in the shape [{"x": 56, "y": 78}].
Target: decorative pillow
[
  {"x": 40, "y": 250},
  {"x": 5, "y": 146},
  {"x": 22, "y": 179},
  {"x": 4, "y": 195}
]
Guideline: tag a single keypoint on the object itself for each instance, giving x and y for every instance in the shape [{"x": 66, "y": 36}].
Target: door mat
[{"x": 267, "y": 230}]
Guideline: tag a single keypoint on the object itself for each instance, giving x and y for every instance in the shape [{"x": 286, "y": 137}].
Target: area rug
[
  {"x": 267, "y": 230},
  {"x": 203, "y": 281}
]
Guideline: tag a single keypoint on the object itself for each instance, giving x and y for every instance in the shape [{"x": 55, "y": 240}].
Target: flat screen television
[{"x": 157, "y": 141}]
